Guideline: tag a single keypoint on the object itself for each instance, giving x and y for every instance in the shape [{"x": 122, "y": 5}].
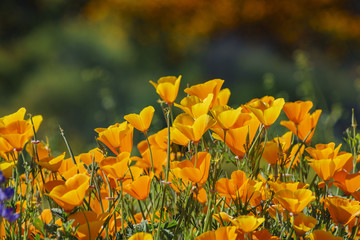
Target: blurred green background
[{"x": 85, "y": 64}]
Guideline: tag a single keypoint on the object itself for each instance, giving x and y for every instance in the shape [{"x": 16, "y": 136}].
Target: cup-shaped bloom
[
  {"x": 237, "y": 138},
  {"x": 89, "y": 224},
  {"x": 94, "y": 154},
  {"x": 204, "y": 89},
  {"x": 118, "y": 137},
  {"x": 294, "y": 201},
  {"x": 7, "y": 168},
  {"x": 323, "y": 151},
  {"x": 266, "y": 109},
  {"x": 274, "y": 151},
  {"x": 167, "y": 88},
  {"x": 296, "y": 111},
  {"x": 321, "y": 235},
  {"x": 70, "y": 193},
  {"x": 247, "y": 223},
  {"x": 139, "y": 188},
  {"x": 264, "y": 234},
  {"x": 342, "y": 210},
  {"x": 277, "y": 186},
  {"x": 347, "y": 182},
  {"x": 226, "y": 116},
  {"x": 303, "y": 224},
  {"x": 196, "y": 174},
  {"x": 17, "y": 131},
  {"x": 159, "y": 157},
  {"x": 306, "y": 128},
  {"x": 42, "y": 150},
  {"x": 222, "y": 233},
  {"x": 232, "y": 188},
  {"x": 194, "y": 106},
  {"x": 178, "y": 137},
  {"x": 52, "y": 163},
  {"x": 223, "y": 97},
  {"x": 116, "y": 167},
  {"x": 141, "y": 236},
  {"x": 193, "y": 128},
  {"x": 141, "y": 121}
]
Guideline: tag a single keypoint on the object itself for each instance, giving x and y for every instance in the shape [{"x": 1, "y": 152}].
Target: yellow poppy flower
[
  {"x": 141, "y": 121},
  {"x": 52, "y": 163},
  {"x": 226, "y": 116},
  {"x": 193, "y": 128},
  {"x": 167, "y": 88},
  {"x": 266, "y": 109},
  {"x": 247, "y": 223},
  {"x": 222, "y": 233},
  {"x": 303, "y": 224},
  {"x": 275, "y": 150},
  {"x": 141, "y": 236},
  {"x": 294, "y": 201},
  {"x": 321, "y": 235},
  {"x": 194, "y": 106}
]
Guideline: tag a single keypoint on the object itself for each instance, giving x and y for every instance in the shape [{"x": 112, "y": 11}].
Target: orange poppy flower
[
  {"x": 42, "y": 150},
  {"x": 324, "y": 151},
  {"x": 303, "y": 224},
  {"x": 159, "y": 160},
  {"x": 71, "y": 193},
  {"x": 89, "y": 224},
  {"x": 347, "y": 182},
  {"x": 266, "y": 109},
  {"x": 196, "y": 174},
  {"x": 296, "y": 111},
  {"x": 226, "y": 116},
  {"x": 264, "y": 234},
  {"x": 141, "y": 121},
  {"x": 7, "y": 168},
  {"x": 167, "y": 88},
  {"x": 194, "y": 106},
  {"x": 204, "y": 89},
  {"x": 275, "y": 150},
  {"x": 236, "y": 138},
  {"x": 222, "y": 233},
  {"x": 141, "y": 236},
  {"x": 306, "y": 128},
  {"x": 294, "y": 201},
  {"x": 139, "y": 188},
  {"x": 52, "y": 163},
  {"x": 118, "y": 137},
  {"x": 277, "y": 186},
  {"x": 116, "y": 167},
  {"x": 232, "y": 188},
  {"x": 342, "y": 210},
  {"x": 247, "y": 223},
  {"x": 321, "y": 235},
  {"x": 95, "y": 155},
  {"x": 193, "y": 129}
]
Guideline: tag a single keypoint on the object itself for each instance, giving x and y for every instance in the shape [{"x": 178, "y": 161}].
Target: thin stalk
[{"x": 68, "y": 146}]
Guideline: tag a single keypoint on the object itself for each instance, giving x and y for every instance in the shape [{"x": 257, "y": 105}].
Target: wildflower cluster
[{"x": 178, "y": 188}]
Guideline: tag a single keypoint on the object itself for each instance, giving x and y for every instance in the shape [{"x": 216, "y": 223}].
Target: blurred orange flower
[
  {"x": 247, "y": 223},
  {"x": 347, "y": 182},
  {"x": 167, "y": 88},
  {"x": 267, "y": 109},
  {"x": 70, "y": 193},
  {"x": 141, "y": 121},
  {"x": 193, "y": 129},
  {"x": 296, "y": 111},
  {"x": 321, "y": 235},
  {"x": 52, "y": 163},
  {"x": 275, "y": 150},
  {"x": 232, "y": 188},
  {"x": 89, "y": 224}
]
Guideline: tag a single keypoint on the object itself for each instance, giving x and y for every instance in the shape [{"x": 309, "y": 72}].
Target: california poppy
[
  {"x": 193, "y": 128},
  {"x": 141, "y": 121},
  {"x": 266, "y": 109},
  {"x": 139, "y": 188},
  {"x": 294, "y": 201},
  {"x": 222, "y": 233},
  {"x": 303, "y": 224},
  {"x": 69, "y": 194},
  {"x": 342, "y": 210},
  {"x": 194, "y": 106},
  {"x": 204, "y": 89},
  {"x": 296, "y": 111},
  {"x": 167, "y": 88}
]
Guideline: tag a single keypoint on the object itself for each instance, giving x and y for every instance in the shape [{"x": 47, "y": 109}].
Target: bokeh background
[{"x": 85, "y": 64}]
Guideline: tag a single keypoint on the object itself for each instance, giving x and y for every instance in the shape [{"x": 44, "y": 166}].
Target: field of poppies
[{"x": 213, "y": 173}]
